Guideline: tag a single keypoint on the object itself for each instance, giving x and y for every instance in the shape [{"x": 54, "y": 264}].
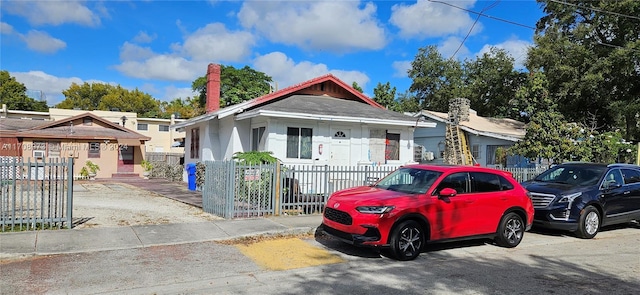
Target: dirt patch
[{"x": 120, "y": 204}]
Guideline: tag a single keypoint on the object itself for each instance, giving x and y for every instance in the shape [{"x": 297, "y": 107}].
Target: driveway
[{"x": 117, "y": 203}]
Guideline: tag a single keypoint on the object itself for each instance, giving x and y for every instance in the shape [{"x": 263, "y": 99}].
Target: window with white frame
[
  {"x": 299, "y": 145},
  {"x": 143, "y": 127},
  {"x": 163, "y": 128},
  {"x": 256, "y": 138}
]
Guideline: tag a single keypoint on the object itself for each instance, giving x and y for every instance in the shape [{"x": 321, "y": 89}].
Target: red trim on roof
[{"x": 328, "y": 77}]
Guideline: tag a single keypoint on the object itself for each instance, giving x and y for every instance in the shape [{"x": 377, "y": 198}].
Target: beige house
[
  {"x": 117, "y": 151},
  {"x": 163, "y": 138},
  {"x": 149, "y": 134}
]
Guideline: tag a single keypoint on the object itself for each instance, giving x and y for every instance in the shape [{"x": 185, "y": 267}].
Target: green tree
[
  {"x": 85, "y": 97},
  {"x": 407, "y": 102},
  {"x": 236, "y": 85},
  {"x": 14, "y": 95},
  {"x": 435, "y": 79},
  {"x": 385, "y": 95},
  {"x": 105, "y": 97},
  {"x": 590, "y": 52},
  {"x": 184, "y": 109},
  {"x": 130, "y": 101},
  {"x": 491, "y": 83},
  {"x": 357, "y": 87},
  {"x": 548, "y": 135}
]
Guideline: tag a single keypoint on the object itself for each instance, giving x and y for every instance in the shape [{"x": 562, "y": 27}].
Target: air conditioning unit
[
  {"x": 428, "y": 156},
  {"x": 38, "y": 154}
]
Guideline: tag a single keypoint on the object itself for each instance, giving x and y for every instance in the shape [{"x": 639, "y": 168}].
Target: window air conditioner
[{"x": 38, "y": 154}]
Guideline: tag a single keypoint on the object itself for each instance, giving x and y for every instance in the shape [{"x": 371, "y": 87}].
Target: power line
[
  {"x": 492, "y": 5},
  {"x": 485, "y": 15},
  {"x": 596, "y": 9}
]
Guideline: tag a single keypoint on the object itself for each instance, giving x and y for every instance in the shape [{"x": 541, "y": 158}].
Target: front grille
[
  {"x": 338, "y": 216},
  {"x": 541, "y": 200}
]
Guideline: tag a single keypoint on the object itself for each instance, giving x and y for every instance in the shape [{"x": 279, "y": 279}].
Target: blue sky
[{"x": 160, "y": 47}]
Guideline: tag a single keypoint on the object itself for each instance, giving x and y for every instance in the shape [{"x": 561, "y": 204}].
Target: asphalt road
[{"x": 544, "y": 263}]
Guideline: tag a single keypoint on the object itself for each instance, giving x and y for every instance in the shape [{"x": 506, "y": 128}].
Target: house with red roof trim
[{"x": 322, "y": 121}]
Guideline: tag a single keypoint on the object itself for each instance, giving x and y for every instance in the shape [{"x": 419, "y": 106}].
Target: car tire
[
  {"x": 510, "y": 231},
  {"x": 406, "y": 241},
  {"x": 589, "y": 223}
]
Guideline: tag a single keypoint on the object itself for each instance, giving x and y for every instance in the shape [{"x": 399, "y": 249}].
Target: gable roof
[
  {"x": 327, "y": 108},
  {"x": 351, "y": 94},
  {"x": 64, "y": 129},
  {"x": 501, "y": 128}
]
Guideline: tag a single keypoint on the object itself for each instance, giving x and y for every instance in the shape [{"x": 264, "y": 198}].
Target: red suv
[{"x": 417, "y": 204}]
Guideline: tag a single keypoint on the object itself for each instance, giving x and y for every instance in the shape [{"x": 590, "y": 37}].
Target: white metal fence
[
  {"x": 232, "y": 190},
  {"x": 36, "y": 195}
]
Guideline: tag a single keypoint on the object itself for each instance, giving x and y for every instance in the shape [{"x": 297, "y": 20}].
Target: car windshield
[
  {"x": 409, "y": 180},
  {"x": 574, "y": 175}
]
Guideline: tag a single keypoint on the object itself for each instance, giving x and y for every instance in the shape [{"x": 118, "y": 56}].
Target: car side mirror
[{"x": 447, "y": 192}]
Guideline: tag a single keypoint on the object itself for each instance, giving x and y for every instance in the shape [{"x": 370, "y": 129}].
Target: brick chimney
[{"x": 213, "y": 88}]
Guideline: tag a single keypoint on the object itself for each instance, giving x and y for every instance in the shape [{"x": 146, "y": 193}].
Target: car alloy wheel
[
  {"x": 510, "y": 231},
  {"x": 406, "y": 240},
  {"x": 589, "y": 223}
]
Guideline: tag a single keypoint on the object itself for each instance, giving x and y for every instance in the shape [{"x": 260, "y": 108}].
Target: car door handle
[
  {"x": 626, "y": 193},
  {"x": 470, "y": 201}
]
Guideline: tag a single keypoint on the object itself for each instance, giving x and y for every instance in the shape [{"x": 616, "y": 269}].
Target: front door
[
  {"x": 340, "y": 148},
  {"x": 125, "y": 159}
]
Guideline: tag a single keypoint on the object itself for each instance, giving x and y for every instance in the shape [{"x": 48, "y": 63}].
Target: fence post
[
  {"x": 70, "y": 193},
  {"x": 326, "y": 182},
  {"x": 231, "y": 191},
  {"x": 278, "y": 189}
]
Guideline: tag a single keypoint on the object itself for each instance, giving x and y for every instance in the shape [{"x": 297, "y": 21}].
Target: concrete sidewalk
[{"x": 64, "y": 241}]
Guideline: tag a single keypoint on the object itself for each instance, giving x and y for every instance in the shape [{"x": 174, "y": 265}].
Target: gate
[
  {"x": 35, "y": 195},
  {"x": 305, "y": 188},
  {"x": 233, "y": 190}
]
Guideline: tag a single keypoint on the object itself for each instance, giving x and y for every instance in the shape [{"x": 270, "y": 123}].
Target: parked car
[
  {"x": 583, "y": 197},
  {"x": 420, "y": 204}
]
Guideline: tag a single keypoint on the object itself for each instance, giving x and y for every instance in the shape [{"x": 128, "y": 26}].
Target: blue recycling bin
[{"x": 191, "y": 176}]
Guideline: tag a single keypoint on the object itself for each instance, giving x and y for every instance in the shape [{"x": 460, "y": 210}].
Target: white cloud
[
  {"x": 42, "y": 42},
  {"x": 6, "y": 28},
  {"x": 163, "y": 67},
  {"x": 401, "y": 68},
  {"x": 286, "y": 72},
  {"x": 215, "y": 42},
  {"x": 185, "y": 62},
  {"x": 132, "y": 52},
  {"x": 426, "y": 19},
  {"x": 53, "y": 12},
  {"x": 516, "y": 48},
  {"x": 171, "y": 92},
  {"x": 451, "y": 45},
  {"x": 338, "y": 26},
  {"x": 52, "y": 86},
  {"x": 143, "y": 37}
]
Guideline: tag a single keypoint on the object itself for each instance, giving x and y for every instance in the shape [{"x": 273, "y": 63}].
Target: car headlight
[
  {"x": 374, "y": 209},
  {"x": 569, "y": 198}
]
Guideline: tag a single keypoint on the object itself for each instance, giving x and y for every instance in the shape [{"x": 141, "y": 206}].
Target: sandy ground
[{"x": 119, "y": 204}]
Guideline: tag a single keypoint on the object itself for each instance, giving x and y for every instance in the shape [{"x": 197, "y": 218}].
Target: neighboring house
[
  {"x": 117, "y": 150},
  {"x": 322, "y": 121},
  {"x": 484, "y": 136},
  {"x": 163, "y": 138}
]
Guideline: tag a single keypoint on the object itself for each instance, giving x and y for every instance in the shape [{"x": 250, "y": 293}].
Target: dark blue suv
[{"x": 583, "y": 197}]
